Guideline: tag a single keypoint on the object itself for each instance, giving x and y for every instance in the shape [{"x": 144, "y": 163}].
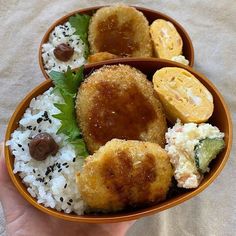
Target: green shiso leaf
[
  {"x": 68, "y": 81},
  {"x": 80, "y": 147},
  {"x": 81, "y": 23},
  {"x": 69, "y": 125},
  {"x": 67, "y": 84}
]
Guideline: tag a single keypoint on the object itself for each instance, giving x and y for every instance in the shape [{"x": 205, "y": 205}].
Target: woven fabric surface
[{"x": 211, "y": 26}]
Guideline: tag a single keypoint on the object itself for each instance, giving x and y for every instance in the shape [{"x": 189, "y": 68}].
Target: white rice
[
  {"x": 181, "y": 140},
  {"x": 53, "y": 188},
  {"x": 63, "y": 34}
]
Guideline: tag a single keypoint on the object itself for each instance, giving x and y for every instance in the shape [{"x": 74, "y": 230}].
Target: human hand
[{"x": 24, "y": 219}]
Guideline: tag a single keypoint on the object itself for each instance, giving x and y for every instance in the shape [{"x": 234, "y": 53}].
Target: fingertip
[
  {"x": 4, "y": 177},
  {"x": 2, "y": 149}
]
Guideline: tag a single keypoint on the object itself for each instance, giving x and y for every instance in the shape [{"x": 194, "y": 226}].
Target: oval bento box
[
  {"x": 220, "y": 118},
  {"x": 151, "y": 15}
]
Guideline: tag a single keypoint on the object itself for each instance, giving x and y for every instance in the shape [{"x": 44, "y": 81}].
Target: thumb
[
  {"x": 9, "y": 196},
  {"x": 4, "y": 177}
]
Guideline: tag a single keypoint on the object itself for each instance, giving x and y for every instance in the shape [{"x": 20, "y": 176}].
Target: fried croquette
[
  {"x": 101, "y": 56},
  {"x": 121, "y": 30},
  {"x": 119, "y": 102},
  {"x": 125, "y": 174}
]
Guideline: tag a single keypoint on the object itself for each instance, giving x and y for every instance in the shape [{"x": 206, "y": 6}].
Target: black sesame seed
[
  {"x": 50, "y": 177},
  {"x": 19, "y": 145},
  {"x": 45, "y": 183},
  {"x": 34, "y": 170},
  {"x": 69, "y": 203},
  {"x": 45, "y": 114},
  {"x": 34, "y": 128},
  {"x": 40, "y": 179},
  {"x": 61, "y": 199},
  {"x": 67, "y": 166},
  {"x": 23, "y": 149},
  {"x": 50, "y": 121},
  {"x": 40, "y": 130},
  {"x": 39, "y": 120},
  {"x": 48, "y": 54},
  {"x": 70, "y": 200},
  {"x": 38, "y": 174},
  {"x": 64, "y": 164},
  {"x": 59, "y": 170},
  {"x": 65, "y": 185},
  {"x": 28, "y": 144},
  {"x": 74, "y": 159}
]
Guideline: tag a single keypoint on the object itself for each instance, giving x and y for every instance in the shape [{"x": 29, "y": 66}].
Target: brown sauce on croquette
[
  {"x": 119, "y": 113},
  {"x": 115, "y": 38},
  {"x": 130, "y": 183}
]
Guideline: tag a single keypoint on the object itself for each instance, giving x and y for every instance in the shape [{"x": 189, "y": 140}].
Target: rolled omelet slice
[
  {"x": 166, "y": 39},
  {"x": 125, "y": 174},
  {"x": 182, "y": 95}
]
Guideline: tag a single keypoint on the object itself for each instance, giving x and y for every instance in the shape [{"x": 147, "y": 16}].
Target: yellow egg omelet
[
  {"x": 182, "y": 95},
  {"x": 166, "y": 39}
]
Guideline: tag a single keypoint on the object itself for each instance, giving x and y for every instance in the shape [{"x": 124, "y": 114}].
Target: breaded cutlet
[
  {"x": 118, "y": 101},
  {"x": 125, "y": 174},
  {"x": 121, "y": 30}
]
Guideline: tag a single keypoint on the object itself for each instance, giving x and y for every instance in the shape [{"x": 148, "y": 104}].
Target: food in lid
[
  {"x": 166, "y": 39},
  {"x": 121, "y": 30}
]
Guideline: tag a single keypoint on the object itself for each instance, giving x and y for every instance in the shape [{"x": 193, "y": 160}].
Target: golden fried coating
[
  {"x": 101, "y": 56},
  {"x": 119, "y": 102},
  {"x": 125, "y": 174},
  {"x": 121, "y": 30}
]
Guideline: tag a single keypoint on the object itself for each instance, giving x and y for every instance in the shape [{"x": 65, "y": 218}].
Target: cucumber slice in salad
[{"x": 206, "y": 150}]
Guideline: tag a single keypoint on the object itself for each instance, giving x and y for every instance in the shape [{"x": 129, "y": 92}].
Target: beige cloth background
[{"x": 211, "y": 25}]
